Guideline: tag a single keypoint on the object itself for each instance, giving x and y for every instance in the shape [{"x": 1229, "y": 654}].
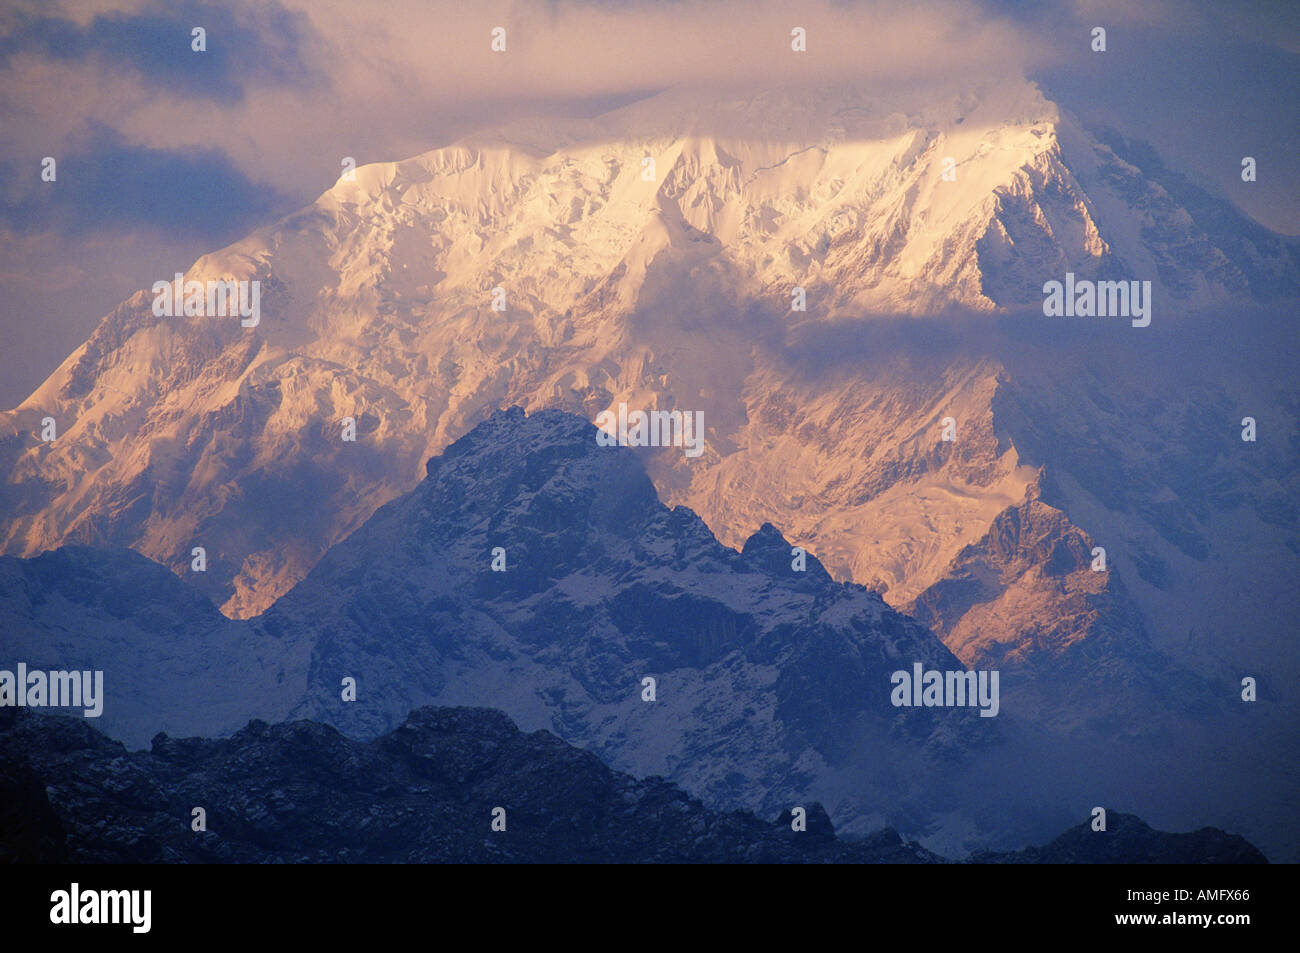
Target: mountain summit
[
  {"x": 650, "y": 255},
  {"x": 847, "y": 289}
]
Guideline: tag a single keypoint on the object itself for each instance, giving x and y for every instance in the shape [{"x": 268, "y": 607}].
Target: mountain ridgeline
[
  {"x": 448, "y": 785},
  {"x": 535, "y": 571},
  {"x": 393, "y": 480}
]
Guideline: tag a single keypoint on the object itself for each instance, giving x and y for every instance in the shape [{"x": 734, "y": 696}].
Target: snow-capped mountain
[
  {"x": 671, "y": 284},
  {"x": 769, "y": 680},
  {"x": 660, "y": 286},
  {"x": 771, "y": 684}
]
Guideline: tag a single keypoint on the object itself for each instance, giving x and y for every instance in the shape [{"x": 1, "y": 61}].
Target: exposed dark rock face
[
  {"x": 426, "y": 793},
  {"x": 1128, "y": 840}
]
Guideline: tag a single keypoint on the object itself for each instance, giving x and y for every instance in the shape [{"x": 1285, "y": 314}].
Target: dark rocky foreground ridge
[{"x": 424, "y": 793}]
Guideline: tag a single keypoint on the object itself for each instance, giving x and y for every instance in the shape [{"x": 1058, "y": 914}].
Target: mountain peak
[{"x": 771, "y": 550}]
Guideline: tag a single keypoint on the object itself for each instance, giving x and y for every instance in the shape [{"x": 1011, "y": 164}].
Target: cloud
[
  {"x": 245, "y": 45},
  {"x": 288, "y": 89},
  {"x": 153, "y": 139},
  {"x": 107, "y": 184},
  {"x": 582, "y": 49}
]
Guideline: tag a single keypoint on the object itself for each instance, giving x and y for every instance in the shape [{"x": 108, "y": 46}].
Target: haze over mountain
[
  {"x": 670, "y": 292},
  {"x": 771, "y": 684},
  {"x": 425, "y": 793},
  {"x": 674, "y": 290},
  {"x": 769, "y": 681}
]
